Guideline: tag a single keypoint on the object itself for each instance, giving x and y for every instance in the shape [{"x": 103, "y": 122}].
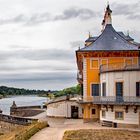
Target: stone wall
[
  {"x": 26, "y": 111},
  {"x": 6, "y": 127},
  {"x": 16, "y": 120}
]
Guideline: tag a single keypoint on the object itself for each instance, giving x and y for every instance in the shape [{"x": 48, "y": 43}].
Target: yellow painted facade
[
  {"x": 93, "y": 72},
  {"x": 93, "y": 76}
]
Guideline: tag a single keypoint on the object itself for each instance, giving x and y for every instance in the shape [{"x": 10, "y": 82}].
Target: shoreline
[
  {"x": 8, "y": 96},
  {"x": 21, "y": 101}
]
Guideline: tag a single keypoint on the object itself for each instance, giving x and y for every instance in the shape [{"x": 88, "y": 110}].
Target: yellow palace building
[{"x": 109, "y": 74}]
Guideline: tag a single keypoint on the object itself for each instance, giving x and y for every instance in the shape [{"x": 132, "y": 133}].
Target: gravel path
[{"x": 59, "y": 126}]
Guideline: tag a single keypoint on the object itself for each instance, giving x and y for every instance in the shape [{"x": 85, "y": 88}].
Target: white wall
[
  {"x": 129, "y": 78},
  {"x": 84, "y": 77},
  {"x": 129, "y": 118},
  {"x": 62, "y": 109},
  {"x": 56, "y": 109}
]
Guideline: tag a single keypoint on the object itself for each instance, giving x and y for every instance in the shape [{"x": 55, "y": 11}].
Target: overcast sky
[{"x": 38, "y": 38}]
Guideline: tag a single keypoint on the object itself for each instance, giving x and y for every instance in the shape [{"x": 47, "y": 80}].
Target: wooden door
[
  {"x": 74, "y": 112},
  {"x": 139, "y": 119}
]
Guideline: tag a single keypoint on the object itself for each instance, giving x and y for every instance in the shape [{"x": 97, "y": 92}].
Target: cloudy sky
[{"x": 38, "y": 38}]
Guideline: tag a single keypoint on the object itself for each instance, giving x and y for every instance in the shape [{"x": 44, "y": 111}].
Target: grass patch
[
  {"x": 101, "y": 135},
  {"x": 26, "y": 133}
]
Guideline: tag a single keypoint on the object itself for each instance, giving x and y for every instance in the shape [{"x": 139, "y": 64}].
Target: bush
[
  {"x": 71, "y": 90},
  {"x": 28, "y": 133}
]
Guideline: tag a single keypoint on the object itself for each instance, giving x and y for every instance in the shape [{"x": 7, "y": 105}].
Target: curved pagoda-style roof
[{"x": 110, "y": 40}]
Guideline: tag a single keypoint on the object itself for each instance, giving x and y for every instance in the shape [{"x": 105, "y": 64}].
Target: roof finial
[
  {"x": 79, "y": 47},
  {"x": 127, "y": 32},
  {"x": 89, "y": 34}
]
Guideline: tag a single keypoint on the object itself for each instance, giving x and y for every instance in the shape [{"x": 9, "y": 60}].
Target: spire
[
  {"x": 107, "y": 2},
  {"x": 107, "y": 17}
]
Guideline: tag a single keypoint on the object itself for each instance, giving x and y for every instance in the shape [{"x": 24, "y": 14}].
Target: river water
[{"x": 6, "y": 103}]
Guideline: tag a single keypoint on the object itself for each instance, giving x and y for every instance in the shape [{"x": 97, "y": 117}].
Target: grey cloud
[
  {"x": 15, "y": 66},
  {"x": 50, "y": 69},
  {"x": 39, "y": 80},
  {"x": 27, "y": 20},
  {"x": 16, "y": 19},
  {"x": 42, "y": 54},
  {"x": 37, "y": 60},
  {"x": 37, "y": 18},
  {"x": 134, "y": 16},
  {"x": 77, "y": 44},
  {"x": 38, "y": 76},
  {"x": 130, "y": 11},
  {"x": 76, "y": 13}
]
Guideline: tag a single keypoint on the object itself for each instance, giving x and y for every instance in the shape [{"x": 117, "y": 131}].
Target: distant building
[
  {"x": 64, "y": 107},
  {"x": 109, "y": 73}
]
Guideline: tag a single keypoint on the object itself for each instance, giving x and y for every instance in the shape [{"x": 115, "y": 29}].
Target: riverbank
[
  {"x": 9, "y": 96},
  {"x": 1, "y": 96},
  {"x": 6, "y": 103}
]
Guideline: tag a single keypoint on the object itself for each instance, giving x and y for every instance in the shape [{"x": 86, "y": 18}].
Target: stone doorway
[{"x": 74, "y": 112}]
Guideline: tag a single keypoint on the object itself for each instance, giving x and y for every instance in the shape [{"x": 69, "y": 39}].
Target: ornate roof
[
  {"x": 127, "y": 37},
  {"x": 110, "y": 40}
]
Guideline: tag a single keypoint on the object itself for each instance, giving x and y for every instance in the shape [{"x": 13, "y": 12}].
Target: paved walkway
[
  {"x": 42, "y": 116},
  {"x": 59, "y": 126}
]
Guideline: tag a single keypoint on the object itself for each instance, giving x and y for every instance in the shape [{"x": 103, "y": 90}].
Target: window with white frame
[
  {"x": 104, "y": 89},
  {"x": 103, "y": 113},
  {"x": 119, "y": 115}
]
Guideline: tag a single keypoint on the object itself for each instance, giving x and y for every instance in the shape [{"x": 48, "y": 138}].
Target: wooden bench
[{"x": 107, "y": 123}]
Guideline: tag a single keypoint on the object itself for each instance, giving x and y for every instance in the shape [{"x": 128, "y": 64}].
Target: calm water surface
[{"x": 6, "y": 103}]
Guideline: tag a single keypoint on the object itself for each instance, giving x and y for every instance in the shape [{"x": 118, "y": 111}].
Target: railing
[
  {"x": 113, "y": 100},
  {"x": 118, "y": 66}
]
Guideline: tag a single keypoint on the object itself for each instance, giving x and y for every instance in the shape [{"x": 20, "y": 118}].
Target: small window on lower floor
[
  {"x": 138, "y": 89},
  {"x": 119, "y": 115},
  {"x": 103, "y": 114},
  {"x": 82, "y": 111},
  {"x": 93, "y": 111}
]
